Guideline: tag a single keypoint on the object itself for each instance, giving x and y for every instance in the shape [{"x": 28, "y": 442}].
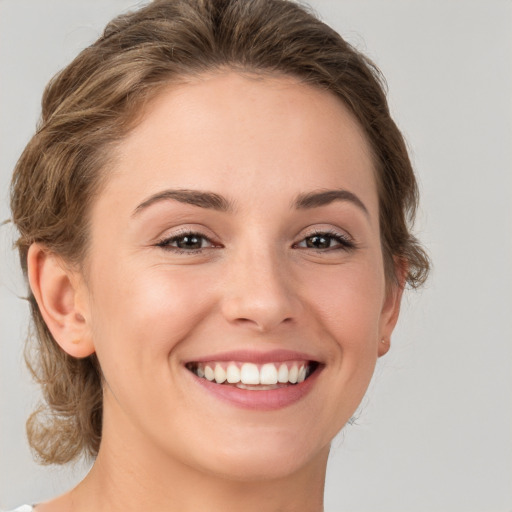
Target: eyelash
[
  {"x": 345, "y": 243},
  {"x": 165, "y": 243}
]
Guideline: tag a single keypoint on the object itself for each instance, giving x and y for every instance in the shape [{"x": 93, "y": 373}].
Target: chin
[
  {"x": 244, "y": 468},
  {"x": 272, "y": 456}
]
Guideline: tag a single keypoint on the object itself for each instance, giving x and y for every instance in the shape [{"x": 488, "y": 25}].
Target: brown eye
[
  {"x": 189, "y": 242},
  {"x": 325, "y": 241},
  {"x": 319, "y": 242},
  {"x": 186, "y": 242}
]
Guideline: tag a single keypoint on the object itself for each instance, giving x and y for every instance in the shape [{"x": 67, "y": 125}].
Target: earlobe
[
  {"x": 56, "y": 290},
  {"x": 391, "y": 308},
  {"x": 384, "y": 346}
]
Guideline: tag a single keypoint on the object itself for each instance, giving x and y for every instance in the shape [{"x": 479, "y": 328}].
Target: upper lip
[{"x": 252, "y": 356}]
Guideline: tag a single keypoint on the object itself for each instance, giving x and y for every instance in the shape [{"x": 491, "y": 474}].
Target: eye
[
  {"x": 327, "y": 240},
  {"x": 190, "y": 242}
]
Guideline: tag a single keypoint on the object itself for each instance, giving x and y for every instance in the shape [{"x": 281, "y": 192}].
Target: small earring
[{"x": 383, "y": 340}]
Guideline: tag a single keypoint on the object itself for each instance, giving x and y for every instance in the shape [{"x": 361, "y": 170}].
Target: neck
[{"x": 131, "y": 475}]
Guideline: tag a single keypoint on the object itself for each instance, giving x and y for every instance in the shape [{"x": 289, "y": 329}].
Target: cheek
[
  {"x": 346, "y": 303},
  {"x": 349, "y": 300},
  {"x": 140, "y": 315}
]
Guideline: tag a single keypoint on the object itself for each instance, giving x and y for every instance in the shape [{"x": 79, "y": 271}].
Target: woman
[{"x": 214, "y": 220}]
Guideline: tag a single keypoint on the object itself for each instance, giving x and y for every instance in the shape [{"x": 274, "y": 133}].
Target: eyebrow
[
  {"x": 213, "y": 201},
  {"x": 199, "y": 198},
  {"x": 325, "y": 197}
]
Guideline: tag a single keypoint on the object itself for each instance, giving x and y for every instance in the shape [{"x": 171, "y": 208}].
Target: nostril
[
  {"x": 263, "y": 304},
  {"x": 262, "y": 323}
]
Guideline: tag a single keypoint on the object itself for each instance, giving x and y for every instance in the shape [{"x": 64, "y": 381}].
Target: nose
[{"x": 259, "y": 291}]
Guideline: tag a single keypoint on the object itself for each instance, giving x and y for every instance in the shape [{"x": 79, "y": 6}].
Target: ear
[
  {"x": 60, "y": 294},
  {"x": 391, "y": 307}
]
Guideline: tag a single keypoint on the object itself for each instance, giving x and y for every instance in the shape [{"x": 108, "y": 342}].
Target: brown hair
[{"x": 91, "y": 105}]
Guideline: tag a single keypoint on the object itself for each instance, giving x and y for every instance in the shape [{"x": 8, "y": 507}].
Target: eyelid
[
  {"x": 345, "y": 241},
  {"x": 164, "y": 241},
  {"x": 186, "y": 229},
  {"x": 328, "y": 230}
]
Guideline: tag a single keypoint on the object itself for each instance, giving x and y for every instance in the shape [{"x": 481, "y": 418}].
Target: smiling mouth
[{"x": 255, "y": 377}]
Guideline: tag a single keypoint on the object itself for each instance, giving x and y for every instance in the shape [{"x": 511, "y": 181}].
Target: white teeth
[
  {"x": 268, "y": 374},
  {"x": 209, "y": 373},
  {"x": 233, "y": 373},
  {"x": 220, "y": 374},
  {"x": 282, "y": 375},
  {"x": 249, "y": 374},
  {"x": 293, "y": 374}
]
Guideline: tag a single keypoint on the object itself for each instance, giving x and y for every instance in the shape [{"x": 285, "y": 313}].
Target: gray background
[{"x": 435, "y": 430}]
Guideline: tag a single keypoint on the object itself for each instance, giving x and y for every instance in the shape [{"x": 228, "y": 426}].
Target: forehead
[{"x": 238, "y": 133}]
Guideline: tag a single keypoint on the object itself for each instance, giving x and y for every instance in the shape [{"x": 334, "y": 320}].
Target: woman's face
[{"x": 237, "y": 238}]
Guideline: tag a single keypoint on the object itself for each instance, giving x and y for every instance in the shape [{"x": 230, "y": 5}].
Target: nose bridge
[{"x": 259, "y": 291}]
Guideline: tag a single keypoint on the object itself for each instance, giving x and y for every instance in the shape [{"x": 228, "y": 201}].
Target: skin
[{"x": 145, "y": 309}]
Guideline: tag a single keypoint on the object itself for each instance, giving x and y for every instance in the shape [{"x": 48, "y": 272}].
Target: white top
[{"x": 23, "y": 508}]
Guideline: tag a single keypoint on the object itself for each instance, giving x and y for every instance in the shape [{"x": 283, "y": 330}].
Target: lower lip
[{"x": 266, "y": 400}]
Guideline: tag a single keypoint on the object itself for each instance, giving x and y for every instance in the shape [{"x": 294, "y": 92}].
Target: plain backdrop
[{"x": 434, "y": 432}]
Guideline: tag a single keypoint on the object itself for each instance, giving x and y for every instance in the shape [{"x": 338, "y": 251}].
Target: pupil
[
  {"x": 189, "y": 242},
  {"x": 318, "y": 242}
]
